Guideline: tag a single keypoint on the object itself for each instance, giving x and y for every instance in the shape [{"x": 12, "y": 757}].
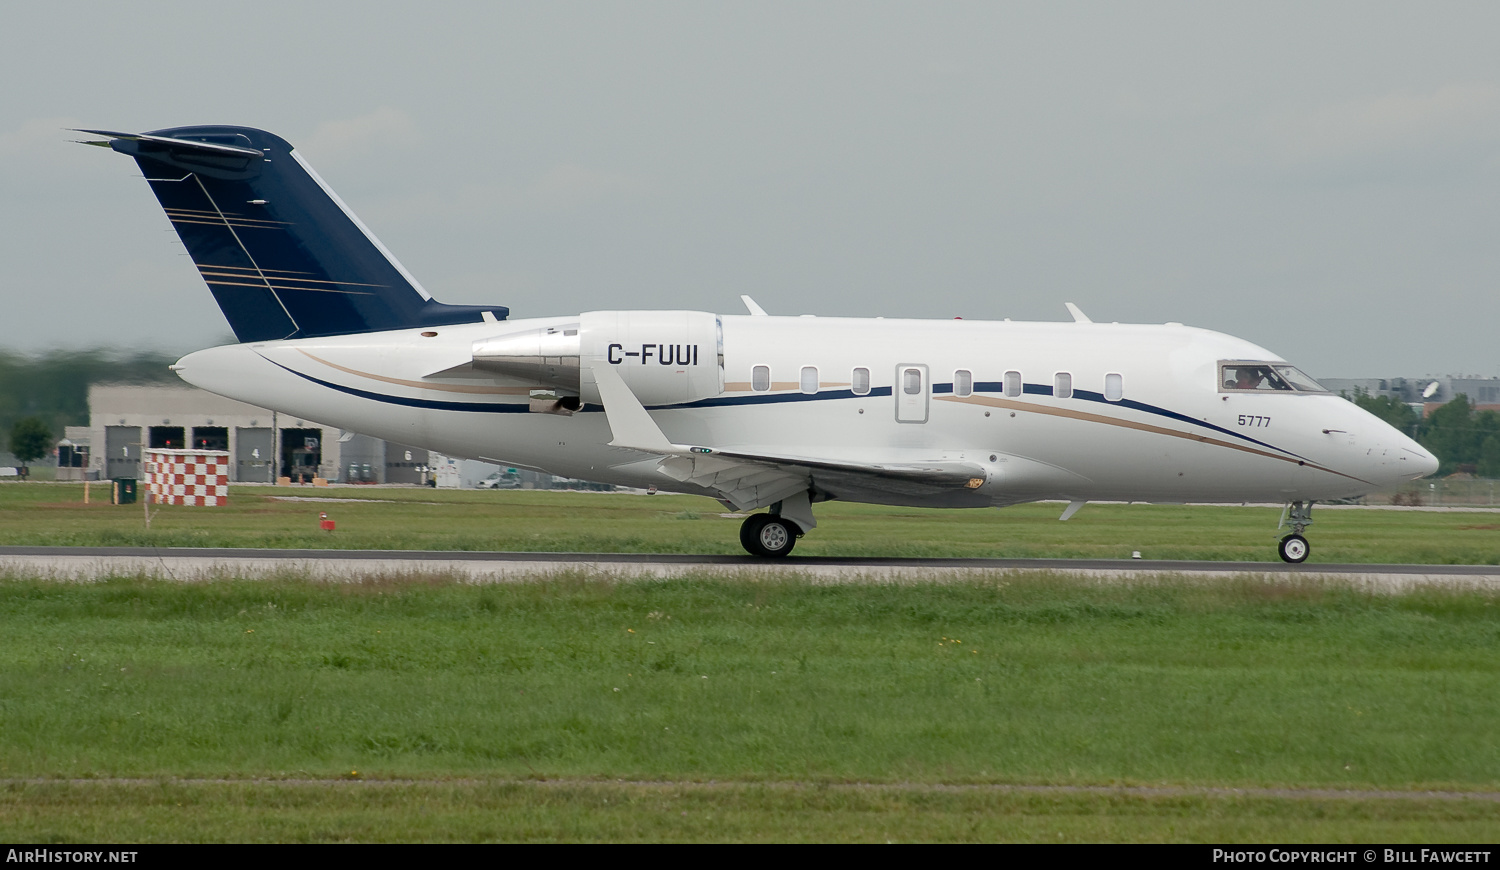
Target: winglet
[
  {"x": 1078, "y": 315},
  {"x": 631, "y": 426},
  {"x": 756, "y": 310}
]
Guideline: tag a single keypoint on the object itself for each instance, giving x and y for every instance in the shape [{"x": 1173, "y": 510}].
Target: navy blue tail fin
[{"x": 282, "y": 254}]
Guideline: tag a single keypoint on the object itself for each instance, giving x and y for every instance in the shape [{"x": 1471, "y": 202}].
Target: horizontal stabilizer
[{"x": 170, "y": 148}]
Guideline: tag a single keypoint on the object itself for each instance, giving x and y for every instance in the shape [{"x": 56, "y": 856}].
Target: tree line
[
  {"x": 1461, "y": 437},
  {"x": 51, "y": 390}
]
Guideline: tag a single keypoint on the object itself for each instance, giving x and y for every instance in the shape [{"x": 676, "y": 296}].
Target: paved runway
[{"x": 85, "y": 563}]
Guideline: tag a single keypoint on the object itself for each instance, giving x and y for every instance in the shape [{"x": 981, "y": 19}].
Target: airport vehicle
[
  {"x": 754, "y": 410},
  {"x": 499, "y": 480}
]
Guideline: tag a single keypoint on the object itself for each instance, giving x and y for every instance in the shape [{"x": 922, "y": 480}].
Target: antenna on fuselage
[{"x": 1078, "y": 315}]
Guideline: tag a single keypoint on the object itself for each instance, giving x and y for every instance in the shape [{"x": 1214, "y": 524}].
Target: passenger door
[{"x": 911, "y": 392}]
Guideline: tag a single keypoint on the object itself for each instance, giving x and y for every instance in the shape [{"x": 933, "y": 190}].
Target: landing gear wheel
[
  {"x": 1294, "y": 549},
  {"x": 768, "y": 535},
  {"x": 750, "y": 530}
]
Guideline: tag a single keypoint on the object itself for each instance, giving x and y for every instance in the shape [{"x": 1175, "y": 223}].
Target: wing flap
[{"x": 749, "y": 479}]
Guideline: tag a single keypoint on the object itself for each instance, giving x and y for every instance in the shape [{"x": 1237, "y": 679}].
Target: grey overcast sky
[{"x": 1320, "y": 178}]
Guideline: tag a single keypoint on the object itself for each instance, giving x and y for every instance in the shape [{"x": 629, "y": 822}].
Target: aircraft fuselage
[{"x": 1164, "y": 430}]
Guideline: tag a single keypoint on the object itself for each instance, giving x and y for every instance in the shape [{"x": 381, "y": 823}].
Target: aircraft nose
[
  {"x": 1412, "y": 460},
  {"x": 1393, "y": 457},
  {"x": 1423, "y": 460}
]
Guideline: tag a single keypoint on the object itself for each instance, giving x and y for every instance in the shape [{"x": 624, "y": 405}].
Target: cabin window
[
  {"x": 760, "y": 378},
  {"x": 1062, "y": 385},
  {"x": 860, "y": 382},
  {"x": 809, "y": 379},
  {"x": 963, "y": 383},
  {"x": 911, "y": 381},
  {"x": 1114, "y": 386},
  {"x": 1012, "y": 384}
]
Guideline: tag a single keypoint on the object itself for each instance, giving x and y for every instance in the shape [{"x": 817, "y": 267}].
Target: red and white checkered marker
[{"x": 188, "y": 477}]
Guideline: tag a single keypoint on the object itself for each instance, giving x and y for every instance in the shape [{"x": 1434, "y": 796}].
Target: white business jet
[{"x": 753, "y": 410}]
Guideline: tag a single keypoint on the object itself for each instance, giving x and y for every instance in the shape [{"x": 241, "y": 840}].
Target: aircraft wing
[
  {"x": 745, "y": 484},
  {"x": 748, "y": 479},
  {"x": 751, "y": 480}
]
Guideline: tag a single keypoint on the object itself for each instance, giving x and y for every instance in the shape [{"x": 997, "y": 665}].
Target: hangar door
[
  {"x": 301, "y": 454},
  {"x": 122, "y": 451},
  {"x": 254, "y": 455}
]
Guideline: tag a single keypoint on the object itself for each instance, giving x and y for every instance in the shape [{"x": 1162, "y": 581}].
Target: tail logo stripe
[
  {"x": 267, "y": 271},
  {"x": 282, "y": 287},
  {"x": 203, "y": 270},
  {"x": 248, "y": 256}
]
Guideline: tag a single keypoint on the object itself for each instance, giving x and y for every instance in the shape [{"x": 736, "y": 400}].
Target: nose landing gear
[{"x": 1294, "y": 548}]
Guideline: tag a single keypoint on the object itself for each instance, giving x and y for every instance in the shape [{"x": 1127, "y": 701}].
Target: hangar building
[{"x": 262, "y": 445}]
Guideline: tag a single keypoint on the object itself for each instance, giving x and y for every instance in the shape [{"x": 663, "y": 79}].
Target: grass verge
[
  {"x": 271, "y": 812},
  {"x": 1246, "y": 682},
  {"x": 418, "y": 519}
]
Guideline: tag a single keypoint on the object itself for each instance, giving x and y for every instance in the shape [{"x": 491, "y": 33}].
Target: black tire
[
  {"x": 750, "y": 531},
  {"x": 1294, "y": 549},
  {"x": 768, "y": 536}
]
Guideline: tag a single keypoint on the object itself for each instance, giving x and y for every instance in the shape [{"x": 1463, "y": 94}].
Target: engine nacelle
[
  {"x": 548, "y": 357},
  {"x": 665, "y": 357}
]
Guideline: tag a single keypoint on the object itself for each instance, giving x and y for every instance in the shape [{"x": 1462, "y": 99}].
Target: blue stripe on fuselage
[
  {"x": 431, "y": 404},
  {"x": 1091, "y": 396},
  {"x": 775, "y": 399}
]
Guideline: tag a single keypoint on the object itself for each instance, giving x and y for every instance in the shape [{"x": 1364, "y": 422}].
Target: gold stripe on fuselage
[
  {"x": 424, "y": 385},
  {"x": 1009, "y": 405}
]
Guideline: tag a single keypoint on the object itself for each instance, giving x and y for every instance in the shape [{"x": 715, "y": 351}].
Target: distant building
[
  {"x": 262, "y": 444},
  {"x": 74, "y": 453},
  {"x": 1426, "y": 392},
  {"x": 125, "y": 418}
]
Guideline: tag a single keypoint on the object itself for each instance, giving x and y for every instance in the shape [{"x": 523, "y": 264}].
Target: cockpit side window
[
  {"x": 1238, "y": 376},
  {"x": 1299, "y": 381},
  {"x": 1251, "y": 376}
]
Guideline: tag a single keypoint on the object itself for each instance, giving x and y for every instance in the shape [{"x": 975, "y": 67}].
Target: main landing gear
[
  {"x": 772, "y": 535},
  {"x": 1294, "y": 548},
  {"x": 769, "y": 535}
]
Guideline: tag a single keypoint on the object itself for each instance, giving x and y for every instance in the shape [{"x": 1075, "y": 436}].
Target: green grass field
[
  {"x": 719, "y": 708},
  {"x": 369, "y": 518},
  {"x": 726, "y": 709},
  {"x": 703, "y": 812}
]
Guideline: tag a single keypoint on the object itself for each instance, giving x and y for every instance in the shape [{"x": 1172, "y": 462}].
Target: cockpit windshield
[{"x": 1265, "y": 376}]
